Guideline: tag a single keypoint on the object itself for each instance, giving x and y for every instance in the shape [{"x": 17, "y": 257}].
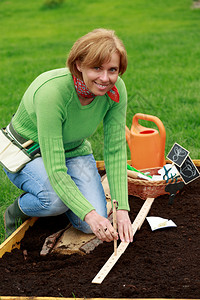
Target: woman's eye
[
  {"x": 113, "y": 70},
  {"x": 96, "y": 68}
]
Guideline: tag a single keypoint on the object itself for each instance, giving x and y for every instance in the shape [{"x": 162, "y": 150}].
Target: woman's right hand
[{"x": 101, "y": 227}]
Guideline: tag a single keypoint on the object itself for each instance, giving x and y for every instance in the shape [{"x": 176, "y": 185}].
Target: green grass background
[{"x": 162, "y": 39}]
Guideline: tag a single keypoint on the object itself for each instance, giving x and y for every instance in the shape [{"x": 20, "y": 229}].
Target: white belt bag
[{"x": 13, "y": 156}]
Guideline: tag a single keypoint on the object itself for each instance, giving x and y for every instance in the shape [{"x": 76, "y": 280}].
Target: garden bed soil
[{"x": 158, "y": 264}]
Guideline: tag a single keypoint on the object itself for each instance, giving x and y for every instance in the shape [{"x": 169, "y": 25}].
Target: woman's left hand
[{"x": 124, "y": 226}]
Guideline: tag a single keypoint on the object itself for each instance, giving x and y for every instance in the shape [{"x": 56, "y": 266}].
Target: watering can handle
[
  {"x": 150, "y": 118},
  {"x": 158, "y": 123}
]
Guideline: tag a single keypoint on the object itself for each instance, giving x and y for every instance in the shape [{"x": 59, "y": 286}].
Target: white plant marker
[
  {"x": 122, "y": 247},
  {"x": 115, "y": 223}
]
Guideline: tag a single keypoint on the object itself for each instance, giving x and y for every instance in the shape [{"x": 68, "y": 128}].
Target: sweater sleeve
[
  {"x": 115, "y": 148},
  {"x": 49, "y": 107}
]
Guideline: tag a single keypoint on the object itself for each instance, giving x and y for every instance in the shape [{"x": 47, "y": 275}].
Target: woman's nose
[{"x": 104, "y": 76}]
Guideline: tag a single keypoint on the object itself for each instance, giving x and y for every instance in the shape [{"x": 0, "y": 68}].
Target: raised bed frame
[
  {"x": 13, "y": 241},
  {"x": 56, "y": 298}
]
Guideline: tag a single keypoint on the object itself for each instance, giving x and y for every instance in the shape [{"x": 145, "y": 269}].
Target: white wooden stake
[
  {"x": 122, "y": 247},
  {"x": 115, "y": 223}
]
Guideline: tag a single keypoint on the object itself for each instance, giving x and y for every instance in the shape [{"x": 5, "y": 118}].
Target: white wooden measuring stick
[
  {"x": 122, "y": 247},
  {"x": 115, "y": 223}
]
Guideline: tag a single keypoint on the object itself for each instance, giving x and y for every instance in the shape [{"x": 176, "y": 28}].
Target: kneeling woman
[{"x": 59, "y": 110}]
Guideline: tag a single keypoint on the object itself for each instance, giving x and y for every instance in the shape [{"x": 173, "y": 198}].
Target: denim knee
[
  {"x": 41, "y": 205},
  {"x": 51, "y": 202}
]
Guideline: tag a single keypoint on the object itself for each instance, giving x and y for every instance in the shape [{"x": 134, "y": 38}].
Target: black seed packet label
[
  {"x": 178, "y": 154},
  {"x": 188, "y": 171}
]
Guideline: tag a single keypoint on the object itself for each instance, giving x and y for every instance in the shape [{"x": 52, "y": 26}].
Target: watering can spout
[{"x": 147, "y": 145}]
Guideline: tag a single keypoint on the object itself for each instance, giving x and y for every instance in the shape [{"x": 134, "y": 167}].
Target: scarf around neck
[{"x": 84, "y": 92}]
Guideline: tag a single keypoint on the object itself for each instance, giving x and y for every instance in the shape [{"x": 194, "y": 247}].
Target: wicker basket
[{"x": 147, "y": 189}]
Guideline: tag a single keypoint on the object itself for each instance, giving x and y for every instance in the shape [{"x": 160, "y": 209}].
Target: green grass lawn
[{"x": 163, "y": 44}]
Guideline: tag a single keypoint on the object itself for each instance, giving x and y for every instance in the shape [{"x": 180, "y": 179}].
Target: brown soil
[{"x": 159, "y": 264}]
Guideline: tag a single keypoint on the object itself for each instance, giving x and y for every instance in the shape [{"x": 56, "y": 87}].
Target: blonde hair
[{"x": 96, "y": 48}]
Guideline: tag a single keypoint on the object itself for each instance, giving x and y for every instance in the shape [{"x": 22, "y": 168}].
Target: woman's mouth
[{"x": 101, "y": 86}]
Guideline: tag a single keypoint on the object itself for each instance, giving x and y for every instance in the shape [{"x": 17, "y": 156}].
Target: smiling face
[{"x": 100, "y": 79}]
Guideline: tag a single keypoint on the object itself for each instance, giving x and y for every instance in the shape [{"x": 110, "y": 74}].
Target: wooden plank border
[
  {"x": 101, "y": 164},
  {"x": 58, "y": 298},
  {"x": 13, "y": 241}
]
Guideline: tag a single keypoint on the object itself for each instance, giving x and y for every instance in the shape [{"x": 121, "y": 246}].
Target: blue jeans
[{"x": 40, "y": 200}]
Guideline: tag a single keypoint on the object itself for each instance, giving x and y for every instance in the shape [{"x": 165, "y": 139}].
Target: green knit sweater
[{"x": 51, "y": 114}]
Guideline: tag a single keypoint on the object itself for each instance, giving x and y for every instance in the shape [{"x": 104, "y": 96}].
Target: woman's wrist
[{"x": 89, "y": 215}]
